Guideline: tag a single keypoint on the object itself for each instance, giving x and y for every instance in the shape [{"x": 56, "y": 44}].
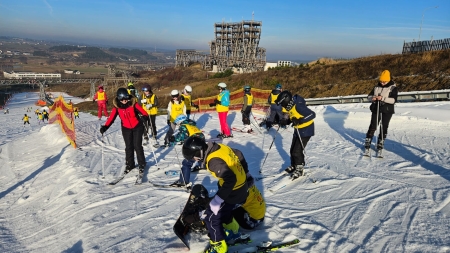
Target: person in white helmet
[
  {"x": 222, "y": 102},
  {"x": 186, "y": 97},
  {"x": 175, "y": 108}
]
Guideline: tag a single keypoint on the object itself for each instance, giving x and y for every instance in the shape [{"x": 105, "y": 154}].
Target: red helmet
[{"x": 100, "y": 87}]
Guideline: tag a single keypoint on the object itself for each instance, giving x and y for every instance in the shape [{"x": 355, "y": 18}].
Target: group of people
[
  {"x": 41, "y": 117},
  {"x": 238, "y": 202}
]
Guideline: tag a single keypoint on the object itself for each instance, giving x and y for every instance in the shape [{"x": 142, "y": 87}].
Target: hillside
[{"x": 414, "y": 72}]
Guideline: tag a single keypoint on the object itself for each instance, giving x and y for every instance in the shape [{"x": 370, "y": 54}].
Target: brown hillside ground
[{"x": 326, "y": 78}]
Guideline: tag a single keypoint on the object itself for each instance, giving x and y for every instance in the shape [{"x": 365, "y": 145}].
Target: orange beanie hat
[{"x": 385, "y": 76}]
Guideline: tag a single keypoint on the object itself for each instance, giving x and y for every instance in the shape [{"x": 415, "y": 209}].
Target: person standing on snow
[
  {"x": 76, "y": 113},
  {"x": 186, "y": 97},
  {"x": 149, "y": 102},
  {"x": 302, "y": 119},
  {"x": 230, "y": 168},
  {"x": 102, "y": 100},
  {"x": 45, "y": 114},
  {"x": 175, "y": 108},
  {"x": 40, "y": 118},
  {"x": 383, "y": 97},
  {"x": 222, "y": 102},
  {"x": 247, "y": 109},
  {"x": 132, "y": 90},
  {"x": 275, "y": 110},
  {"x": 186, "y": 129},
  {"x": 132, "y": 116},
  {"x": 26, "y": 120}
]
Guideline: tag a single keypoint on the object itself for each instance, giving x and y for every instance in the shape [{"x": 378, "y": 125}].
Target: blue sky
[{"x": 291, "y": 29}]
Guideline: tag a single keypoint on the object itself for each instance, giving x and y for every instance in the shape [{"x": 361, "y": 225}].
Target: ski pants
[
  {"x": 224, "y": 128},
  {"x": 275, "y": 117},
  {"x": 169, "y": 133},
  {"x": 188, "y": 113},
  {"x": 214, "y": 223},
  {"x": 150, "y": 125},
  {"x": 385, "y": 118},
  {"x": 101, "y": 106},
  {"x": 133, "y": 143},
  {"x": 246, "y": 115},
  {"x": 244, "y": 220},
  {"x": 185, "y": 175},
  {"x": 297, "y": 149}
]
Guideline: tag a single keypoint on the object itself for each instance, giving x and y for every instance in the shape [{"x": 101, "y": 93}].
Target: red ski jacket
[{"x": 127, "y": 115}]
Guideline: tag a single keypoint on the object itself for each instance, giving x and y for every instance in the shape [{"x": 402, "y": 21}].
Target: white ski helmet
[
  {"x": 188, "y": 88},
  {"x": 174, "y": 93},
  {"x": 222, "y": 85}
]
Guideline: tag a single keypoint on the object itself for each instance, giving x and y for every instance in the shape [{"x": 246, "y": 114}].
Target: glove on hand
[
  {"x": 296, "y": 121},
  {"x": 215, "y": 204},
  {"x": 172, "y": 138},
  {"x": 103, "y": 129},
  {"x": 212, "y": 104},
  {"x": 143, "y": 101},
  {"x": 148, "y": 106},
  {"x": 168, "y": 122},
  {"x": 250, "y": 180},
  {"x": 195, "y": 106},
  {"x": 217, "y": 102}
]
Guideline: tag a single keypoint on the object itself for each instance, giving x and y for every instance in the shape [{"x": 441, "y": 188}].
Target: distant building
[
  {"x": 284, "y": 64},
  {"x": 30, "y": 75},
  {"x": 270, "y": 65},
  {"x": 69, "y": 71}
]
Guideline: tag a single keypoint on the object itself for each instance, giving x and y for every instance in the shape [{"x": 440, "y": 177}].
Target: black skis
[{"x": 270, "y": 247}]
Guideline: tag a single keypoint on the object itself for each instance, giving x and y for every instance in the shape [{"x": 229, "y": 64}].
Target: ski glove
[
  {"x": 217, "y": 102},
  {"x": 103, "y": 129},
  {"x": 148, "y": 106},
  {"x": 143, "y": 101},
  {"x": 168, "y": 122},
  {"x": 195, "y": 106},
  {"x": 215, "y": 204},
  {"x": 212, "y": 104},
  {"x": 172, "y": 138},
  {"x": 250, "y": 180},
  {"x": 296, "y": 121}
]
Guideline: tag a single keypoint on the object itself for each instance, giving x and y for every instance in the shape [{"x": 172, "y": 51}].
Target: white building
[
  {"x": 284, "y": 64},
  {"x": 30, "y": 75},
  {"x": 270, "y": 65}
]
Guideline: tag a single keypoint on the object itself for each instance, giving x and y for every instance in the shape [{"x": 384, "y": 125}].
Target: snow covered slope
[{"x": 53, "y": 198}]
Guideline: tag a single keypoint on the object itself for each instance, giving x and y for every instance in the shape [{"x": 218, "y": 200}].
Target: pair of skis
[
  {"x": 137, "y": 182},
  {"x": 265, "y": 247}
]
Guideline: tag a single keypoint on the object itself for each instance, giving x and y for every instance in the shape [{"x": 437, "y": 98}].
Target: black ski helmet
[
  {"x": 122, "y": 94},
  {"x": 193, "y": 146},
  {"x": 247, "y": 88},
  {"x": 284, "y": 98}
]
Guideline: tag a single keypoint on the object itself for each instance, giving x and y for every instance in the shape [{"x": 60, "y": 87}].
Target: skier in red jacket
[{"x": 132, "y": 116}]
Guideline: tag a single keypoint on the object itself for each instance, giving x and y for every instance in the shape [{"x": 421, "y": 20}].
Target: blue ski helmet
[
  {"x": 278, "y": 86},
  {"x": 180, "y": 118},
  {"x": 247, "y": 88}
]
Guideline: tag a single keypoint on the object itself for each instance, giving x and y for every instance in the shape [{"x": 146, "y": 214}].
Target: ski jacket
[
  {"x": 389, "y": 93},
  {"x": 187, "y": 101},
  {"x": 188, "y": 128},
  {"x": 151, "y": 99},
  {"x": 230, "y": 168},
  {"x": 302, "y": 117},
  {"x": 174, "y": 109},
  {"x": 25, "y": 118},
  {"x": 224, "y": 101},
  {"x": 100, "y": 97},
  {"x": 248, "y": 101},
  {"x": 128, "y": 113},
  {"x": 271, "y": 100},
  {"x": 255, "y": 205}
]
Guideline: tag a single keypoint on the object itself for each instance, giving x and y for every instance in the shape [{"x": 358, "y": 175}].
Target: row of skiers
[
  {"x": 41, "y": 116},
  {"x": 228, "y": 165}
]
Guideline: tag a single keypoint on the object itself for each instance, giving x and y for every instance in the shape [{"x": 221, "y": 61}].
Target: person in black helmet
[
  {"x": 230, "y": 168},
  {"x": 302, "y": 119},
  {"x": 133, "y": 117}
]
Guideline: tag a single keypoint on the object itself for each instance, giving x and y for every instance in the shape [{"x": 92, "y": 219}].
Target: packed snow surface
[{"x": 53, "y": 198}]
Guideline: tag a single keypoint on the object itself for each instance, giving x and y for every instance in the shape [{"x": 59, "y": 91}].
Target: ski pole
[
  {"x": 182, "y": 174},
  {"x": 267, "y": 154},
  {"x": 304, "y": 151},
  {"x": 151, "y": 147},
  {"x": 255, "y": 125},
  {"x": 378, "y": 113},
  {"x": 103, "y": 160}
]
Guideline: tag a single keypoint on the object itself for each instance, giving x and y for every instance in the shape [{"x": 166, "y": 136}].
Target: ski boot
[
  {"x": 217, "y": 247},
  {"x": 298, "y": 172},
  {"x": 128, "y": 168},
  {"x": 380, "y": 144},
  {"x": 367, "y": 143},
  {"x": 289, "y": 169}
]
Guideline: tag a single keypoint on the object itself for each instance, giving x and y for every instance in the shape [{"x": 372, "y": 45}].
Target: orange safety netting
[
  {"x": 61, "y": 113},
  {"x": 236, "y": 100}
]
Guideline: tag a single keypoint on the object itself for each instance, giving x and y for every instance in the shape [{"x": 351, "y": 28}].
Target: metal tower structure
[{"x": 236, "y": 44}]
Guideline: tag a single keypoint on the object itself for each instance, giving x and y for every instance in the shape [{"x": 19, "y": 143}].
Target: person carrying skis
[
  {"x": 101, "y": 99},
  {"x": 26, "y": 120},
  {"x": 149, "y": 102},
  {"x": 275, "y": 110},
  {"x": 186, "y": 97},
  {"x": 230, "y": 168},
  {"x": 222, "y": 102},
  {"x": 132, "y": 116},
  {"x": 187, "y": 128},
  {"x": 247, "y": 109},
  {"x": 383, "y": 97},
  {"x": 174, "y": 109},
  {"x": 132, "y": 90},
  {"x": 302, "y": 119}
]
